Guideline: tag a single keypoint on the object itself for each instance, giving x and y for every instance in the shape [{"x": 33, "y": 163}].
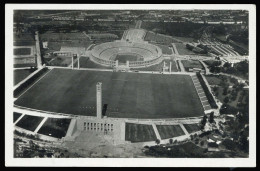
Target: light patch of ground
[{"x": 92, "y": 144}]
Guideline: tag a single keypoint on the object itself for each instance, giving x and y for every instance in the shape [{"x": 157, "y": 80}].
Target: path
[
  {"x": 138, "y": 24},
  {"x": 38, "y": 50}
]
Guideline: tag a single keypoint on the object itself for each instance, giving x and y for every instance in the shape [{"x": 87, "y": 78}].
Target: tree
[
  {"x": 226, "y": 99},
  {"x": 202, "y": 143},
  {"x": 225, "y": 91},
  {"x": 211, "y": 117},
  {"x": 157, "y": 141},
  {"x": 204, "y": 120}
]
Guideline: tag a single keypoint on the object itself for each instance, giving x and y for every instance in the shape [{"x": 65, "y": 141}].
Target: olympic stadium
[{"x": 126, "y": 97}]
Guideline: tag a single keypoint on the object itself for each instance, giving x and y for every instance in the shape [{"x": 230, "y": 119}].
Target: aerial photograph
[{"x": 130, "y": 83}]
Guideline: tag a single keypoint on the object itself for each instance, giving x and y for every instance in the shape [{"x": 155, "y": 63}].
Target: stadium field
[
  {"x": 139, "y": 132},
  {"x": 127, "y": 95},
  {"x": 127, "y": 57},
  {"x": 55, "y": 127},
  {"x": 170, "y": 131}
]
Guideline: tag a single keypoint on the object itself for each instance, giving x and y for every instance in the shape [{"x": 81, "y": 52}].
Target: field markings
[
  {"x": 19, "y": 119},
  {"x": 33, "y": 84},
  {"x": 156, "y": 131},
  {"x": 40, "y": 125},
  {"x": 184, "y": 129},
  {"x": 205, "y": 105}
]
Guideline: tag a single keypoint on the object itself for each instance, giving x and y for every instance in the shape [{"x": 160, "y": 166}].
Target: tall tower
[{"x": 99, "y": 100}]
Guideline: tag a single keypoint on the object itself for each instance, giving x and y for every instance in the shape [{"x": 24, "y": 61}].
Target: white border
[{"x": 150, "y": 162}]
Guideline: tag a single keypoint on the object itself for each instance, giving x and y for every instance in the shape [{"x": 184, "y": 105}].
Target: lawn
[
  {"x": 174, "y": 66},
  {"x": 183, "y": 50},
  {"x": 55, "y": 127},
  {"x": 85, "y": 62},
  {"x": 156, "y": 67},
  {"x": 60, "y": 61},
  {"x": 22, "y": 51},
  {"x": 21, "y": 74},
  {"x": 49, "y": 36},
  {"x": 213, "y": 80},
  {"x": 165, "y": 49},
  {"x": 158, "y": 38},
  {"x": 169, "y": 131},
  {"x": 16, "y": 116},
  {"x": 139, "y": 132},
  {"x": 192, "y": 127},
  {"x": 122, "y": 58},
  {"x": 132, "y": 95},
  {"x": 25, "y": 65},
  {"x": 29, "y": 122},
  {"x": 191, "y": 64}
]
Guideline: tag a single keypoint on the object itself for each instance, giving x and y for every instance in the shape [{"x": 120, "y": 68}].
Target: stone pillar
[
  {"x": 99, "y": 100},
  {"x": 78, "y": 62},
  {"x": 170, "y": 66},
  {"x": 116, "y": 63},
  {"x": 72, "y": 64}
]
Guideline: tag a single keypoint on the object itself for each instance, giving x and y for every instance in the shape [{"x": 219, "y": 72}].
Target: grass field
[
  {"x": 213, "y": 80},
  {"x": 174, "y": 66},
  {"x": 169, "y": 131},
  {"x": 29, "y": 122},
  {"x": 22, "y": 51},
  {"x": 49, "y": 36},
  {"x": 139, "y": 132},
  {"x": 55, "y": 127},
  {"x": 85, "y": 62},
  {"x": 21, "y": 74},
  {"x": 156, "y": 67},
  {"x": 192, "y": 127},
  {"x": 25, "y": 65},
  {"x": 131, "y": 95},
  {"x": 60, "y": 61},
  {"x": 165, "y": 49},
  {"x": 191, "y": 64},
  {"x": 159, "y": 38},
  {"x": 183, "y": 50},
  {"x": 127, "y": 57},
  {"x": 16, "y": 116}
]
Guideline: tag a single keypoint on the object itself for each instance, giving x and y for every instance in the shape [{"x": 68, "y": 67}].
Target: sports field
[
  {"x": 21, "y": 74},
  {"x": 127, "y": 57},
  {"x": 55, "y": 127},
  {"x": 192, "y": 127},
  {"x": 22, "y": 51},
  {"x": 127, "y": 95},
  {"x": 139, "y": 132},
  {"x": 29, "y": 122},
  {"x": 170, "y": 131},
  {"x": 16, "y": 116}
]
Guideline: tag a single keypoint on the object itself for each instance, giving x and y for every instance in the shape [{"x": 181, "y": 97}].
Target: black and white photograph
[{"x": 130, "y": 85}]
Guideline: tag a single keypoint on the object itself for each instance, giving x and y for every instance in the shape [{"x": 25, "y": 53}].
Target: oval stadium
[{"x": 139, "y": 54}]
